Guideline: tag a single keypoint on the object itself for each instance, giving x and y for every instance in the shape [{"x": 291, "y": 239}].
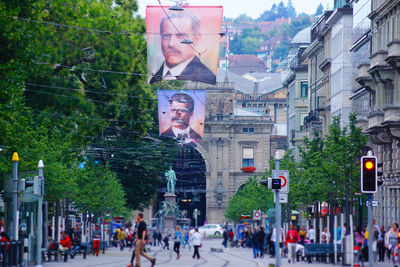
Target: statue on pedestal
[{"x": 171, "y": 181}]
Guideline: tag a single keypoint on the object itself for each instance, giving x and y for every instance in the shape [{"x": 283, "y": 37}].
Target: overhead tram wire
[
  {"x": 122, "y": 33},
  {"x": 88, "y": 91},
  {"x": 89, "y": 100}
]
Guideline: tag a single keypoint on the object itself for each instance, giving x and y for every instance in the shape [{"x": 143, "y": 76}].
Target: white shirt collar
[
  {"x": 178, "y": 131},
  {"x": 175, "y": 71}
]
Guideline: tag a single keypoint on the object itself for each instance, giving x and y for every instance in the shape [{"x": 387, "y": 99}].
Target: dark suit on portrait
[
  {"x": 194, "y": 71},
  {"x": 170, "y": 133}
]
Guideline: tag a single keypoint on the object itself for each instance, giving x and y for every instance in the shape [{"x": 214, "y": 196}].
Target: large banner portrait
[
  {"x": 183, "y": 45},
  {"x": 181, "y": 115}
]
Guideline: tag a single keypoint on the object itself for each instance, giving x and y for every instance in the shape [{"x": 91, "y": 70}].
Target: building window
[
  {"x": 251, "y": 130},
  {"x": 245, "y": 130},
  {"x": 248, "y": 157},
  {"x": 304, "y": 89}
]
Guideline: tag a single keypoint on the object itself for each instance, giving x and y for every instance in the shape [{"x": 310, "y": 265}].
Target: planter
[{"x": 249, "y": 169}]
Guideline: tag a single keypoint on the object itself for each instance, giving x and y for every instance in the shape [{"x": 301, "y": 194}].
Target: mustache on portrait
[{"x": 174, "y": 51}]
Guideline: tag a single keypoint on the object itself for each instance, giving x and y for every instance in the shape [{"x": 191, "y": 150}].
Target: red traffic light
[{"x": 369, "y": 165}]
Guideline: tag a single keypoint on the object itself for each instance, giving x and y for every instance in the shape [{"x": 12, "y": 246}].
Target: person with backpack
[{"x": 166, "y": 241}]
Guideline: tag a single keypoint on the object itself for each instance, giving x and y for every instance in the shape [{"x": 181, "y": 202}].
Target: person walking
[
  {"x": 303, "y": 235},
  {"x": 166, "y": 241},
  {"x": 231, "y": 236},
  {"x": 226, "y": 237},
  {"x": 141, "y": 242},
  {"x": 121, "y": 238},
  {"x": 196, "y": 242},
  {"x": 154, "y": 236},
  {"x": 292, "y": 237},
  {"x": 311, "y": 234},
  {"x": 381, "y": 245},
  {"x": 159, "y": 238},
  {"x": 254, "y": 243},
  {"x": 261, "y": 241},
  {"x": 393, "y": 243},
  {"x": 177, "y": 241},
  {"x": 96, "y": 236},
  {"x": 186, "y": 240}
]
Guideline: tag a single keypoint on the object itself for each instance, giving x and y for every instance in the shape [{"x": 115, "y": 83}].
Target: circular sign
[
  {"x": 257, "y": 214},
  {"x": 284, "y": 180}
]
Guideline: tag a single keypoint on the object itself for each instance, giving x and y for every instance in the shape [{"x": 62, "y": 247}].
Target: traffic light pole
[
  {"x": 370, "y": 231},
  {"x": 277, "y": 220}
]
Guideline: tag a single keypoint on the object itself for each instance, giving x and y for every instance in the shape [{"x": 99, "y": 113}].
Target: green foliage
[
  {"x": 326, "y": 164},
  {"x": 57, "y": 109},
  {"x": 248, "y": 42},
  {"x": 252, "y": 196},
  {"x": 98, "y": 190},
  {"x": 278, "y": 11}
]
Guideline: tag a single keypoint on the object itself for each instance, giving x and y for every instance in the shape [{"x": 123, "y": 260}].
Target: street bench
[
  {"x": 84, "y": 249},
  {"x": 321, "y": 251},
  {"x": 51, "y": 252}
]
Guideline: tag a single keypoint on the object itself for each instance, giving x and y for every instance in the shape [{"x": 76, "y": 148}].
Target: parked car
[{"x": 210, "y": 229}]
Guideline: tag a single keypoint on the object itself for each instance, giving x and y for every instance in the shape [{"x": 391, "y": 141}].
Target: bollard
[
  {"x": 356, "y": 256},
  {"x": 26, "y": 251}
]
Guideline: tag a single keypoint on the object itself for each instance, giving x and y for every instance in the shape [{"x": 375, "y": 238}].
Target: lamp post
[
  {"x": 40, "y": 193},
  {"x": 15, "y": 160},
  {"x": 278, "y": 157}
]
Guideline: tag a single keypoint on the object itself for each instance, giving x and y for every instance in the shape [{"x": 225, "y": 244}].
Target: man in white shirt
[
  {"x": 311, "y": 234},
  {"x": 180, "y": 112}
]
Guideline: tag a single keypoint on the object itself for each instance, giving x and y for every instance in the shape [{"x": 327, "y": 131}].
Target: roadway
[{"x": 232, "y": 257}]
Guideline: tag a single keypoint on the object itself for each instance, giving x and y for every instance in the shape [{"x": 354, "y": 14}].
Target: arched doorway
[{"x": 190, "y": 188}]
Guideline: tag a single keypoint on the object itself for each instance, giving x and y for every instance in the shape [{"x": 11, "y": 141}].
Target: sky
[{"x": 252, "y": 8}]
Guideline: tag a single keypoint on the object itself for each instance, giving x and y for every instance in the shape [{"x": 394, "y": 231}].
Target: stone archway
[{"x": 190, "y": 189}]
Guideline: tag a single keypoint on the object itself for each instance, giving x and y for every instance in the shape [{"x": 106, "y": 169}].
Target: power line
[
  {"x": 89, "y": 100},
  {"x": 88, "y": 91}
]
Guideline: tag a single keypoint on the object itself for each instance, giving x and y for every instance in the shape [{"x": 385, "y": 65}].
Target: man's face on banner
[
  {"x": 173, "y": 50},
  {"x": 180, "y": 114}
]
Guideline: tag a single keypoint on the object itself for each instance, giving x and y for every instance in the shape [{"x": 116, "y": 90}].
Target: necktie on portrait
[{"x": 182, "y": 136}]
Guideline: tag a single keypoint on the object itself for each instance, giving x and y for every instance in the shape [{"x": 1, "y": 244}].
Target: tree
[
  {"x": 328, "y": 163},
  {"x": 320, "y": 10},
  {"x": 291, "y": 11},
  {"x": 253, "y": 196}
]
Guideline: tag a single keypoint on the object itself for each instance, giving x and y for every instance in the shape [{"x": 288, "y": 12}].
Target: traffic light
[
  {"x": 276, "y": 183},
  {"x": 369, "y": 174},
  {"x": 272, "y": 183}
]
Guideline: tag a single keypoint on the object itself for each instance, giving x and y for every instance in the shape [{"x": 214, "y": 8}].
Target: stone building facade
[
  {"x": 235, "y": 136},
  {"x": 295, "y": 80},
  {"x": 378, "y": 100}
]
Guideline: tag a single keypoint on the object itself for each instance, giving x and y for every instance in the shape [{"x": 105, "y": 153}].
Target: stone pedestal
[{"x": 169, "y": 222}]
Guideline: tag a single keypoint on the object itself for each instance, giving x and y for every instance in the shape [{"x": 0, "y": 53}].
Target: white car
[{"x": 210, "y": 229}]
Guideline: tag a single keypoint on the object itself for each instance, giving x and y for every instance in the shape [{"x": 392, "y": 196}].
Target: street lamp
[{"x": 279, "y": 153}]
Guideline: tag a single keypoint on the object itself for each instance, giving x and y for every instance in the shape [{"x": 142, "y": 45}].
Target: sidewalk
[{"x": 233, "y": 257}]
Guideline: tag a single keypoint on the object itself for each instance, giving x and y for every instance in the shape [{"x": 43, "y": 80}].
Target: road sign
[
  {"x": 283, "y": 198},
  {"x": 284, "y": 175},
  {"x": 256, "y": 215},
  {"x": 375, "y": 203}
]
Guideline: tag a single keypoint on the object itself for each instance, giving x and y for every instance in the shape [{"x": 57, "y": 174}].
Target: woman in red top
[
  {"x": 65, "y": 242},
  {"x": 292, "y": 237}
]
